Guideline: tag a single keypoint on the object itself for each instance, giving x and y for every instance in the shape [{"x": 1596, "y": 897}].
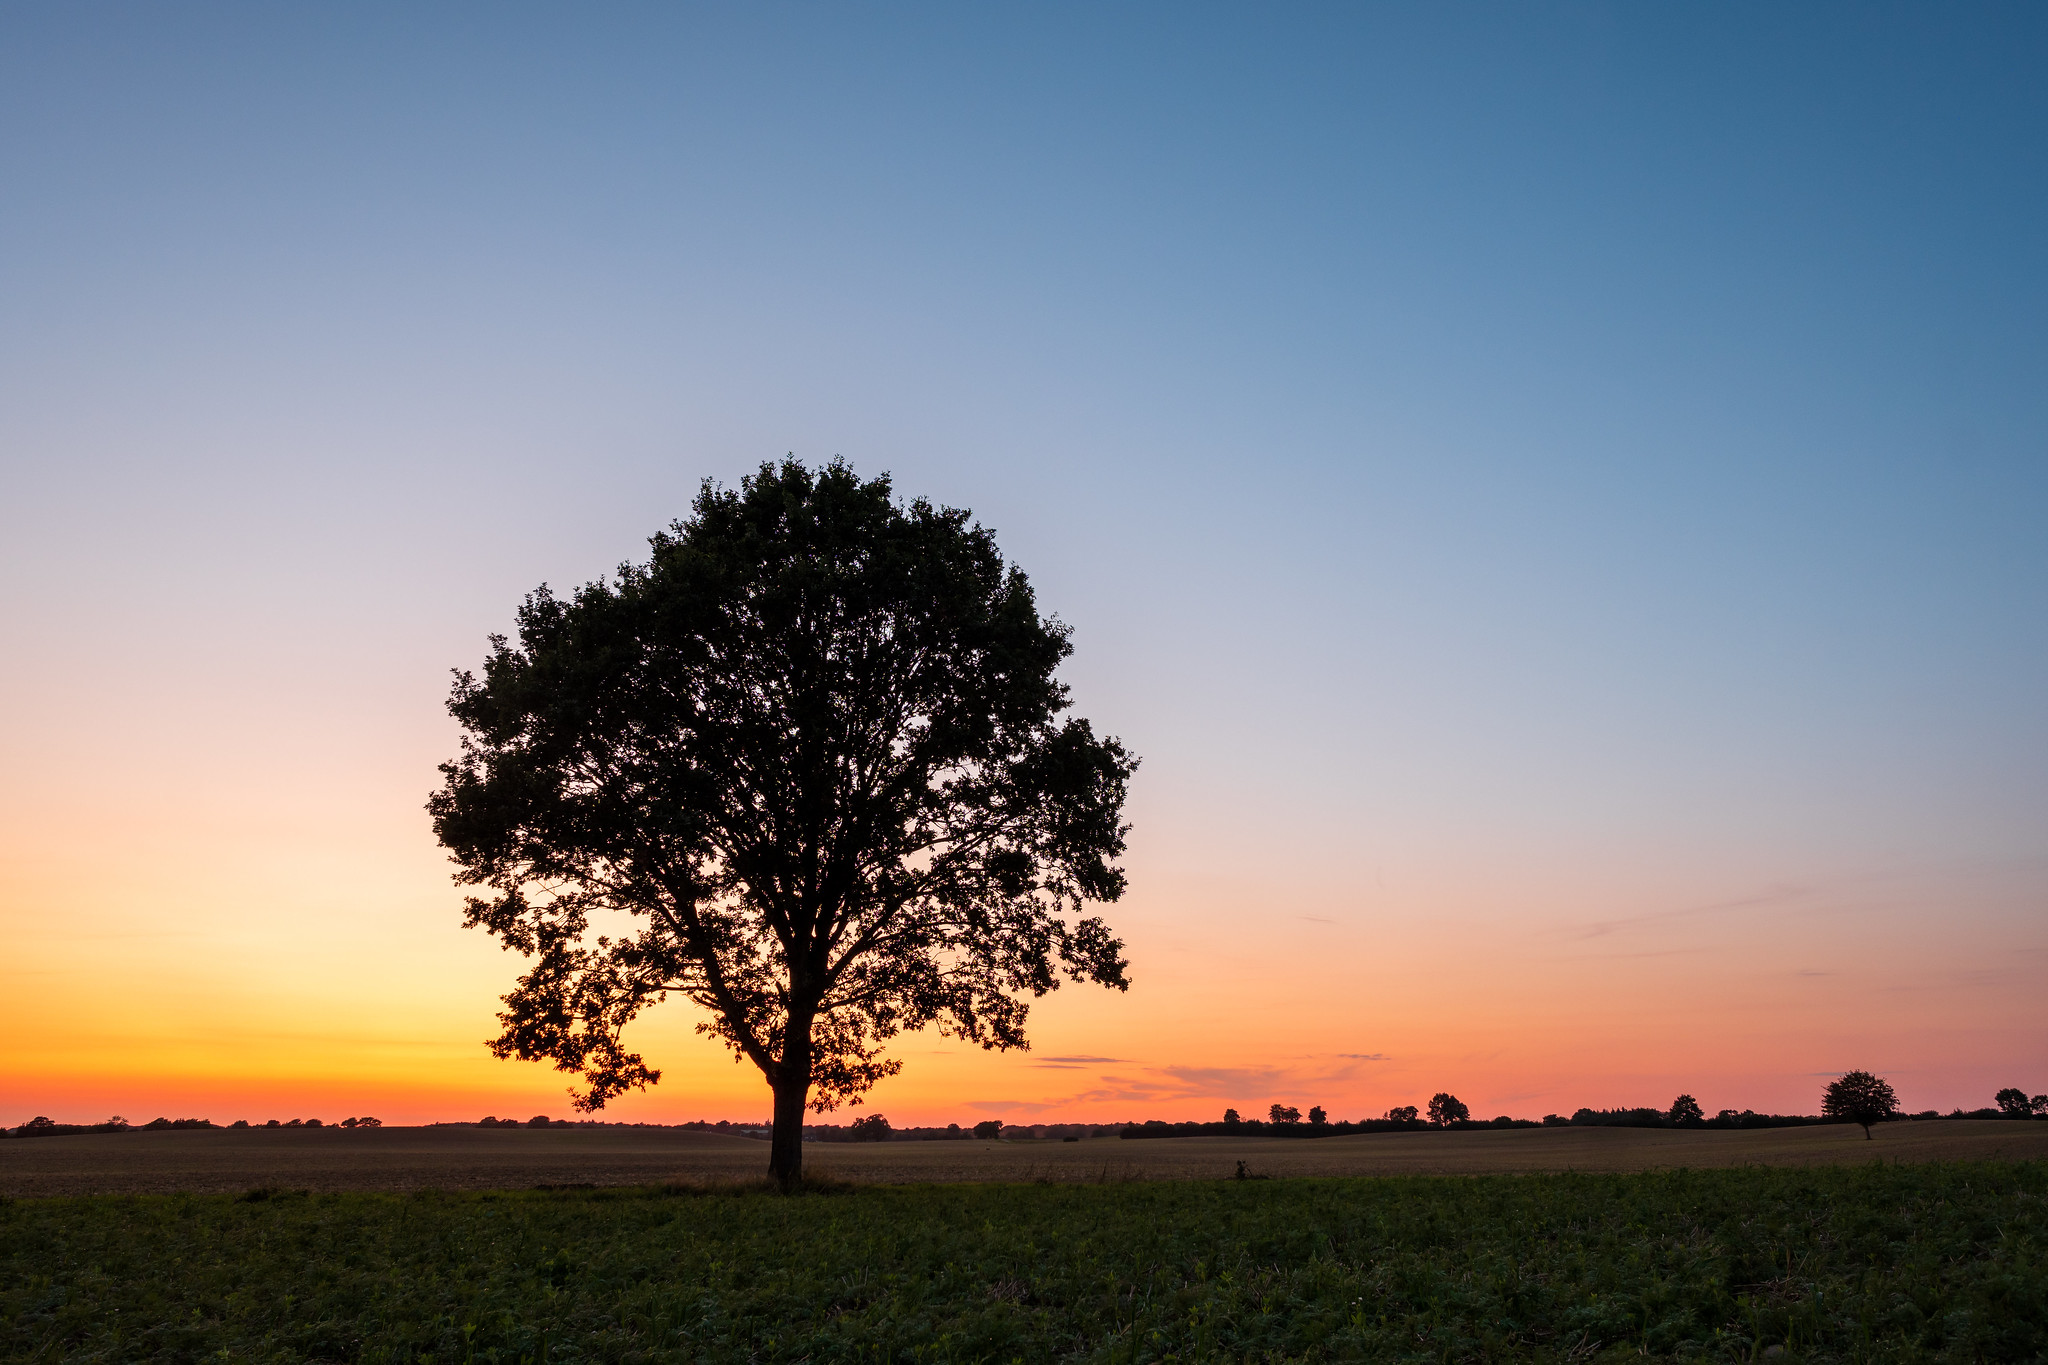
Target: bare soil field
[{"x": 230, "y": 1161}]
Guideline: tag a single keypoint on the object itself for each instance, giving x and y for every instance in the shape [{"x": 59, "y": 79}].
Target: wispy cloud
[
  {"x": 1316, "y": 919},
  {"x": 1775, "y": 895},
  {"x": 1365, "y": 1056},
  {"x": 1079, "y": 1061},
  {"x": 1014, "y": 1106}
]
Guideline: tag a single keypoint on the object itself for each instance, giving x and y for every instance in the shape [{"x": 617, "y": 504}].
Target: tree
[
  {"x": 806, "y": 768},
  {"x": 1446, "y": 1109},
  {"x": 1316, "y": 1117},
  {"x": 870, "y": 1128},
  {"x": 1861, "y": 1098},
  {"x": 1402, "y": 1113},
  {"x": 1230, "y": 1118},
  {"x": 1284, "y": 1113},
  {"x": 990, "y": 1129},
  {"x": 2039, "y": 1104},
  {"x": 2014, "y": 1104},
  {"x": 1686, "y": 1112}
]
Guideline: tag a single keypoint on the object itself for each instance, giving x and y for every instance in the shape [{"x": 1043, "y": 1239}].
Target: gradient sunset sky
[{"x": 1557, "y": 495}]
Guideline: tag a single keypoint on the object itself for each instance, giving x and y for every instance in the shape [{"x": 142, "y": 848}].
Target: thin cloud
[
  {"x": 1366, "y": 1056},
  {"x": 1012, "y": 1106},
  {"x": 1080, "y": 1061},
  {"x": 1776, "y": 895},
  {"x": 1316, "y": 919}
]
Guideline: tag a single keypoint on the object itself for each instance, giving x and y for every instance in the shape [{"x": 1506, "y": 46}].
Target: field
[
  {"x": 1866, "y": 1262},
  {"x": 402, "y": 1159}
]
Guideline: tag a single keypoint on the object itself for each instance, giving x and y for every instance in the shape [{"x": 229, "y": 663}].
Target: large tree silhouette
[
  {"x": 1860, "y": 1098},
  {"x": 807, "y": 768}
]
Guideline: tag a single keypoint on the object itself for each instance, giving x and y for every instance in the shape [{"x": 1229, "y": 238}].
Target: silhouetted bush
[{"x": 43, "y": 1126}]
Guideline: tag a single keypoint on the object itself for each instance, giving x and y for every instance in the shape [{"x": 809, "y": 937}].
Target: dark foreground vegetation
[{"x": 1871, "y": 1263}]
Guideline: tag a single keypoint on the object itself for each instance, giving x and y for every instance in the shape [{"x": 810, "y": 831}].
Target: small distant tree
[
  {"x": 1860, "y": 1098},
  {"x": 870, "y": 1128},
  {"x": 537, "y": 1121},
  {"x": 1316, "y": 1117},
  {"x": 989, "y": 1129},
  {"x": 2014, "y": 1104},
  {"x": 1446, "y": 1109},
  {"x": 2039, "y": 1104},
  {"x": 1403, "y": 1113},
  {"x": 1231, "y": 1119},
  {"x": 1686, "y": 1112},
  {"x": 1284, "y": 1113}
]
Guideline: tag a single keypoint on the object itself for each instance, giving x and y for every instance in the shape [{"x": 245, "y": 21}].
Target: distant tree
[
  {"x": 1403, "y": 1113},
  {"x": 1230, "y": 1118},
  {"x": 2014, "y": 1104},
  {"x": 807, "y": 768},
  {"x": 537, "y": 1121},
  {"x": 1686, "y": 1112},
  {"x": 2039, "y": 1104},
  {"x": 870, "y": 1128},
  {"x": 239, "y": 1123},
  {"x": 1860, "y": 1098},
  {"x": 989, "y": 1129},
  {"x": 1316, "y": 1117},
  {"x": 1446, "y": 1109},
  {"x": 1284, "y": 1113},
  {"x": 367, "y": 1122}
]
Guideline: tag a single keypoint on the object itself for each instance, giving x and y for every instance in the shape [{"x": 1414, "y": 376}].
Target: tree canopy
[
  {"x": 1446, "y": 1109},
  {"x": 809, "y": 768}
]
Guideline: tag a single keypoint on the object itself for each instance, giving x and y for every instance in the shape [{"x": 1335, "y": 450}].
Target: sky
[{"x": 1554, "y": 494}]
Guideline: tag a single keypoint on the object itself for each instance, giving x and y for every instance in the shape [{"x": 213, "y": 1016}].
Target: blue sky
[{"x": 1573, "y": 464}]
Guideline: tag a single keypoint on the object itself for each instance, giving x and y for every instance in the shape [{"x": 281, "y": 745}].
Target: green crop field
[{"x": 1937, "y": 1262}]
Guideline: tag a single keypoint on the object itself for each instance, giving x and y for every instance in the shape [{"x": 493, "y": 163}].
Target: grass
[
  {"x": 1941, "y": 1262},
  {"x": 403, "y": 1159}
]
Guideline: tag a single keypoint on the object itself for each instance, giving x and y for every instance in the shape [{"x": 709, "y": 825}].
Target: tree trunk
[
  {"x": 786, "y": 1143},
  {"x": 792, "y": 1090}
]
